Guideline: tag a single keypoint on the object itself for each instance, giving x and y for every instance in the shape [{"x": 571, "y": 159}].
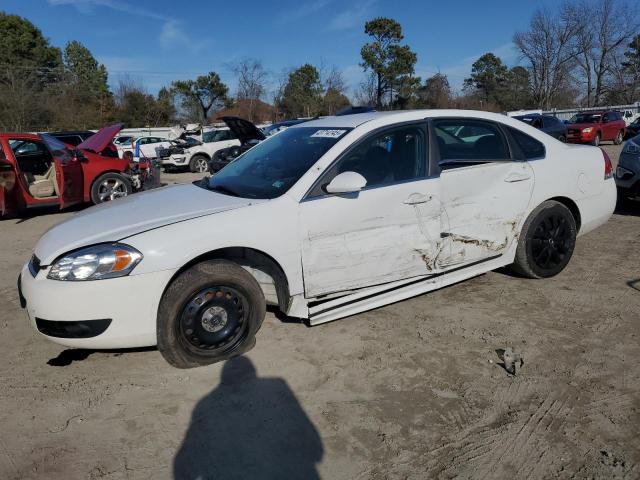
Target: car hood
[
  {"x": 134, "y": 214},
  {"x": 243, "y": 129},
  {"x": 99, "y": 140}
]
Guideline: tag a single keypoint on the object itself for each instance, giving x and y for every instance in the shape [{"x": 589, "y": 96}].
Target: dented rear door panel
[{"x": 483, "y": 208}]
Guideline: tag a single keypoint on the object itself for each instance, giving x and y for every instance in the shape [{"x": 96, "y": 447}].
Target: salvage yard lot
[{"x": 411, "y": 390}]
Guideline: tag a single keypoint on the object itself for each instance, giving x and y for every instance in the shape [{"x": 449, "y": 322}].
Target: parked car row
[{"x": 587, "y": 127}]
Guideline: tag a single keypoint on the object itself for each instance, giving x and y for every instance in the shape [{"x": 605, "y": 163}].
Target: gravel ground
[{"x": 413, "y": 390}]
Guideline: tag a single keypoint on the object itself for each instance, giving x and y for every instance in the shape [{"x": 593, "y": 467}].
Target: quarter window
[
  {"x": 394, "y": 156},
  {"x": 530, "y": 147},
  {"x": 469, "y": 141}
]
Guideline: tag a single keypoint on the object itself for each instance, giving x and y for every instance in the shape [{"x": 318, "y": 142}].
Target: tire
[
  {"x": 234, "y": 152},
  {"x": 546, "y": 241},
  {"x": 623, "y": 201},
  {"x": 110, "y": 186},
  {"x": 619, "y": 138},
  {"x": 596, "y": 141},
  {"x": 562, "y": 138},
  {"x": 199, "y": 164},
  {"x": 210, "y": 313}
]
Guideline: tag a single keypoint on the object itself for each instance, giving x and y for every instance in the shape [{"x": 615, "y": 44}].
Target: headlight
[
  {"x": 631, "y": 147},
  {"x": 106, "y": 260},
  {"x": 587, "y": 130}
]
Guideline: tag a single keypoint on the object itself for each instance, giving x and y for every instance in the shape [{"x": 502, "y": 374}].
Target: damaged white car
[{"x": 327, "y": 219}]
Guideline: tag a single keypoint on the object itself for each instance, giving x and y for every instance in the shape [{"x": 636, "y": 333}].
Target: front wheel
[
  {"x": 210, "y": 313},
  {"x": 619, "y": 138},
  {"x": 199, "y": 164},
  {"x": 546, "y": 241},
  {"x": 562, "y": 138},
  {"x": 110, "y": 186},
  {"x": 596, "y": 141}
]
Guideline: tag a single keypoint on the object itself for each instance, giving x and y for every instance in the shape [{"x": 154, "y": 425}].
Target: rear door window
[
  {"x": 465, "y": 141},
  {"x": 530, "y": 147}
]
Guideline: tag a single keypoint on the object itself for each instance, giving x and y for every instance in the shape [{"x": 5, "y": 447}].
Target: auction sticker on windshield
[{"x": 329, "y": 133}]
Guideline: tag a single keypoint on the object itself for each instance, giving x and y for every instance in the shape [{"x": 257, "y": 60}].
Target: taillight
[{"x": 608, "y": 167}]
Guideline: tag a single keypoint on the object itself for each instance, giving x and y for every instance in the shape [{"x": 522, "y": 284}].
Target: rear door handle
[
  {"x": 517, "y": 177},
  {"x": 416, "y": 198}
]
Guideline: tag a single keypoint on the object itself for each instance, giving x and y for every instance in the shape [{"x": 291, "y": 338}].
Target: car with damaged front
[
  {"x": 324, "y": 220},
  {"x": 42, "y": 171}
]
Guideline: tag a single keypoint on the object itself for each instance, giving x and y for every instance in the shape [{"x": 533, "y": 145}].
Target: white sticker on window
[{"x": 328, "y": 133}]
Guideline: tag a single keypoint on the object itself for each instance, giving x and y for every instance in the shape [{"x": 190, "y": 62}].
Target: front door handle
[
  {"x": 517, "y": 177},
  {"x": 416, "y": 198}
]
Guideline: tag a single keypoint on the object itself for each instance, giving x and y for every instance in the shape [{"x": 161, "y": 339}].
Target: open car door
[
  {"x": 69, "y": 177},
  {"x": 8, "y": 188}
]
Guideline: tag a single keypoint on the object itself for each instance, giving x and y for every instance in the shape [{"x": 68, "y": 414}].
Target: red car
[
  {"x": 39, "y": 170},
  {"x": 596, "y": 127}
]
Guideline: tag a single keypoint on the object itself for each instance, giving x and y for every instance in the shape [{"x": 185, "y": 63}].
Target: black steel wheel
[
  {"x": 210, "y": 313},
  {"x": 213, "y": 319},
  {"x": 546, "y": 242}
]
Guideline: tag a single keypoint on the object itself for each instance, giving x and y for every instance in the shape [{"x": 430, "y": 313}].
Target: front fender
[{"x": 270, "y": 227}]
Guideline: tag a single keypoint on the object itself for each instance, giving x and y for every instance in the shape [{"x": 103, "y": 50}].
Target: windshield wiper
[{"x": 225, "y": 190}]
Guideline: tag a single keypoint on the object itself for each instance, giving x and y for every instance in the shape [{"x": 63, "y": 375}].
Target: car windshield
[
  {"x": 57, "y": 148},
  {"x": 585, "y": 118},
  {"x": 272, "y": 167}
]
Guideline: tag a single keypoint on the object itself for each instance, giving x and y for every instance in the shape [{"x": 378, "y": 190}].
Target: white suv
[
  {"x": 148, "y": 146},
  {"x": 197, "y": 158}
]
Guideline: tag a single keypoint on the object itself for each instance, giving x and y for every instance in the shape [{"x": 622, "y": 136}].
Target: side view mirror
[{"x": 346, "y": 182}]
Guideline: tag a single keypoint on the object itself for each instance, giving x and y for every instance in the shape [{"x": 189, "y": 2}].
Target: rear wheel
[
  {"x": 596, "y": 141},
  {"x": 199, "y": 164},
  {"x": 110, "y": 186},
  {"x": 210, "y": 313},
  {"x": 619, "y": 138},
  {"x": 546, "y": 242}
]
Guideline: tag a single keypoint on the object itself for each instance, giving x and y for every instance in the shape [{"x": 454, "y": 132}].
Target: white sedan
[{"x": 327, "y": 219}]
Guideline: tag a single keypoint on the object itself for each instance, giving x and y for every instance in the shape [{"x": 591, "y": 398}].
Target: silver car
[{"x": 628, "y": 172}]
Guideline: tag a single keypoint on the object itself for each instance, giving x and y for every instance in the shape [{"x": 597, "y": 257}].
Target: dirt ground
[{"x": 412, "y": 390}]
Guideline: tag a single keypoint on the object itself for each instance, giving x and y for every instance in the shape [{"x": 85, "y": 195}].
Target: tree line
[{"x": 579, "y": 53}]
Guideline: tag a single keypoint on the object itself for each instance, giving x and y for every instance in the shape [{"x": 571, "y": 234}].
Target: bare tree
[
  {"x": 367, "y": 93},
  {"x": 278, "y": 93},
  {"x": 604, "y": 29},
  {"x": 549, "y": 48},
  {"x": 335, "y": 89},
  {"x": 252, "y": 78}
]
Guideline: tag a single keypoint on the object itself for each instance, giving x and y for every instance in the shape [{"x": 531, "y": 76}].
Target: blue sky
[{"x": 163, "y": 40}]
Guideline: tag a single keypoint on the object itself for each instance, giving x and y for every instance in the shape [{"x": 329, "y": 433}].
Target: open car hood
[
  {"x": 103, "y": 137},
  {"x": 243, "y": 129}
]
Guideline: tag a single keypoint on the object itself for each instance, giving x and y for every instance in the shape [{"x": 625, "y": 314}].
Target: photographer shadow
[{"x": 248, "y": 427}]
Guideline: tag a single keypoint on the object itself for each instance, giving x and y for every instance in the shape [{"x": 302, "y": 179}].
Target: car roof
[{"x": 355, "y": 120}]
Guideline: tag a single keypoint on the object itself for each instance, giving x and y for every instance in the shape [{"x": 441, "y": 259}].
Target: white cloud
[
  {"x": 352, "y": 17},
  {"x": 305, "y": 9},
  {"x": 88, "y": 6}
]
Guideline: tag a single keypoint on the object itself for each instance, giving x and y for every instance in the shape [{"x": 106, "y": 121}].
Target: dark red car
[
  {"x": 40, "y": 170},
  {"x": 596, "y": 127}
]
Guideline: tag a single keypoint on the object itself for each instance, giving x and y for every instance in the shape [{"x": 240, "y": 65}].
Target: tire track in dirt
[{"x": 506, "y": 441}]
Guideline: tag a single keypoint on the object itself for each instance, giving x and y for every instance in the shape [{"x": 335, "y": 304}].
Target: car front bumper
[
  {"x": 111, "y": 313},
  {"x": 581, "y": 137},
  {"x": 175, "y": 161}
]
